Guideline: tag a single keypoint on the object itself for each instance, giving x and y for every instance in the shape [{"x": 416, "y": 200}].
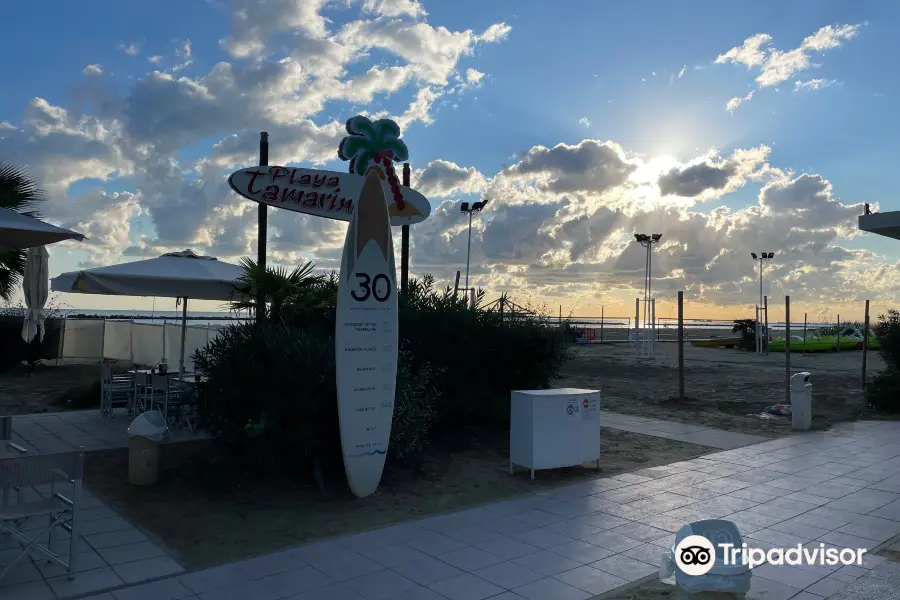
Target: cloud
[
  {"x": 777, "y": 66},
  {"x": 395, "y": 8},
  {"x": 473, "y": 77},
  {"x": 732, "y": 104},
  {"x": 814, "y": 84},
  {"x": 156, "y": 58},
  {"x": 589, "y": 165},
  {"x": 711, "y": 175},
  {"x": 583, "y": 121},
  {"x": 681, "y": 72},
  {"x": 441, "y": 178},
  {"x": 495, "y": 33},
  {"x": 132, "y": 49}
]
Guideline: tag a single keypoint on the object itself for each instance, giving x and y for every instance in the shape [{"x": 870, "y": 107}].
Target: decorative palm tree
[
  {"x": 286, "y": 291},
  {"x": 18, "y": 192},
  {"x": 375, "y": 146}
]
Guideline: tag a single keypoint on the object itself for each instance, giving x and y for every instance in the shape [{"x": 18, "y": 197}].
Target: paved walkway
[
  {"x": 85, "y": 430},
  {"x": 683, "y": 432},
  {"x": 839, "y": 488}
]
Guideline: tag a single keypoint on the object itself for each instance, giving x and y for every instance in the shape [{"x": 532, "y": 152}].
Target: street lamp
[
  {"x": 647, "y": 242},
  {"x": 474, "y": 209},
  {"x": 762, "y": 258}
]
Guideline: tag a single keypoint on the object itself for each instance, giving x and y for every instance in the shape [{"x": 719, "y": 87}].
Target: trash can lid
[
  {"x": 800, "y": 379},
  {"x": 148, "y": 424}
]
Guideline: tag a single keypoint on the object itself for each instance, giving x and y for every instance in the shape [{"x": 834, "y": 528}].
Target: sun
[{"x": 648, "y": 173}]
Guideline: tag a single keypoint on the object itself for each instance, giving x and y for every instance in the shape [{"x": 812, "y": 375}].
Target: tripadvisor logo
[{"x": 696, "y": 555}]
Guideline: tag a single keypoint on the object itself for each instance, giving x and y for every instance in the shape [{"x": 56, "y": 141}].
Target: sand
[{"x": 726, "y": 388}]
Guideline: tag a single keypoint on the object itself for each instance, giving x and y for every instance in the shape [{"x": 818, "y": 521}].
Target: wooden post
[
  {"x": 601, "y": 324},
  {"x": 838, "y": 348},
  {"x": 804, "y": 335},
  {"x": 404, "y": 242},
  {"x": 456, "y": 285},
  {"x": 766, "y": 330},
  {"x": 787, "y": 349},
  {"x": 865, "y": 346},
  {"x": 262, "y": 228},
  {"x": 560, "y": 316},
  {"x": 681, "y": 346}
]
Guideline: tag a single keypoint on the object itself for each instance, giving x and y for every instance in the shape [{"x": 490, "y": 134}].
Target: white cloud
[
  {"x": 473, "y": 77},
  {"x": 132, "y": 49},
  {"x": 91, "y": 70},
  {"x": 777, "y": 66},
  {"x": 154, "y": 59},
  {"x": 681, "y": 72},
  {"x": 584, "y": 122},
  {"x": 395, "y": 8},
  {"x": 814, "y": 84},
  {"x": 732, "y": 104},
  {"x": 495, "y": 33}
]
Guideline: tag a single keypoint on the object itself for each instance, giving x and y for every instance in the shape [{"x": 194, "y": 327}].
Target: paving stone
[
  {"x": 466, "y": 587},
  {"x": 396, "y": 555},
  {"x": 143, "y": 570},
  {"x": 508, "y": 575},
  {"x": 296, "y": 581},
  {"x": 427, "y": 571},
  {"x": 166, "y": 589},
  {"x": 581, "y": 552},
  {"x": 625, "y": 567},
  {"x": 543, "y": 589},
  {"x": 469, "y": 558},
  {"x": 546, "y": 562},
  {"x": 86, "y": 582}
]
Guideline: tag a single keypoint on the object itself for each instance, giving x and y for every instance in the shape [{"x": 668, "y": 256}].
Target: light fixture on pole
[
  {"x": 473, "y": 209},
  {"x": 647, "y": 242},
  {"x": 762, "y": 258}
]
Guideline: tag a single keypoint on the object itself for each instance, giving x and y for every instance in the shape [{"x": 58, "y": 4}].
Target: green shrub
[
  {"x": 272, "y": 391},
  {"x": 883, "y": 392},
  {"x": 272, "y": 397},
  {"x": 888, "y": 332},
  {"x": 81, "y": 397}
]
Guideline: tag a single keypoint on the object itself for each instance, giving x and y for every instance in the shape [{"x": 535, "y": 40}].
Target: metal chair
[
  {"x": 143, "y": 392},
  {"x": 6, "y": 436},
  {"x": 166, "y": 398},
  {"x": 116, "y": 391},
  {"x": 61, "y": 510}
]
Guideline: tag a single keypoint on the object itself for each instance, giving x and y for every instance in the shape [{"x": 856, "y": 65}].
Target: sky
[{"x": 725, "y": 129}]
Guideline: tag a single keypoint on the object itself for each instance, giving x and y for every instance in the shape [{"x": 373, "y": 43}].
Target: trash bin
[
  {"x": 145, "y": 433},
  {"x": 801, "y": 401},
  {"x": 722, "y": 578}
]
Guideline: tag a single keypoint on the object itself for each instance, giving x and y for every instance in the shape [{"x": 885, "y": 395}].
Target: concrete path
[
  {"x": 683, "y": 432},
  {"x": 839, "y": 488},
  {"x": 78, "y": 430},
  {"x": 86, "y": 430}
]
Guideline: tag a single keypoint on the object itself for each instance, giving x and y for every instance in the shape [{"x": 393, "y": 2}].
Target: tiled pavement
[
  {"x": 64, "y": 431},
  {"x": 84, "y": 429},
  {"x": 683, "y": 432},
  {"x": 839, "y": 488}
]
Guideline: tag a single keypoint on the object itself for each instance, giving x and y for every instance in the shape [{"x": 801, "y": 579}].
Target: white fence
[{"x": 138, "y": 343}]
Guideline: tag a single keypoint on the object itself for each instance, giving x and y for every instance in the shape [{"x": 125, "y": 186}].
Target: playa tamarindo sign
[
  {"x": 328, "y": 194},
  {"x": 366, "y": 340},
  {"x": 366, "y": 332}
]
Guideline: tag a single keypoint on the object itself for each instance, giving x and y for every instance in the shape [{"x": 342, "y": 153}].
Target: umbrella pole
[{"x": 183, "y": 335}]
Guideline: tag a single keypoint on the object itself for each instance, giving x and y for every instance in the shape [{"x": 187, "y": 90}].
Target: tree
[
  {"x": 286, "y": 292},
  {"x": 747, "y": 329},
  {"x": 19, "y": 193}
]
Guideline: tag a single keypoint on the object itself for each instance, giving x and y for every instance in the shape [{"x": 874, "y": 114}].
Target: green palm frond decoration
[{"x": 18, "y": 192}]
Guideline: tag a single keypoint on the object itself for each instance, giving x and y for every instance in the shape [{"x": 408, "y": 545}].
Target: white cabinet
[{"x": 549, "y": 429}]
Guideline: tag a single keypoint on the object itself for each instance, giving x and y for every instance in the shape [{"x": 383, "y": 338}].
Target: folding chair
[
  {"x": 39, "y": 471},
  {"x": 6, "y": 443},
  {"x": 117, "y": 390},
  {"x": 186, "y": 401},
  {"x": 143, "y": 392},
  {"x": 165, "y": 396}
]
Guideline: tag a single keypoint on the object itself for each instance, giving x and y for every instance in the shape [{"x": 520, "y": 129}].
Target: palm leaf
[
  {"x": 398, "y": 147},
  {"x": 362, "y": 126},
  {"x": 18, "y": 191},
  {"x": 387, "y": 130},
  {"x": 352, "y": 145}
]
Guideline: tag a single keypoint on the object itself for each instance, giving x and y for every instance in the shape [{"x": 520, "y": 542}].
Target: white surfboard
[{"x": 366, "y": 342}]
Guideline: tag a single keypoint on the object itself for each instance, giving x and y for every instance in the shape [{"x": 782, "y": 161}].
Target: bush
[
  {"x": 272, "y": 398},
  {"x": 13, "y": 349},
  {"x": 883, "y": 392},
  {"x": 81, "y": 398},
  {"x": 456, "y": 368}
]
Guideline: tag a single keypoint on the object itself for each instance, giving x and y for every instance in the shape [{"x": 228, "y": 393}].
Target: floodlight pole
[
  {"x": 469, "y": 250},
  {"x": 761, "y": 259}
]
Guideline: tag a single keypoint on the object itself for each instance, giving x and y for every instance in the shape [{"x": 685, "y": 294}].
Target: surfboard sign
[
  {"x": 328, "y": 194},
  {"x": 366, "y": 339}
]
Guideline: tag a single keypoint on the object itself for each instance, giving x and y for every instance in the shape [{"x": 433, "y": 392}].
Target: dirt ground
[
  {"x": 23, "y": 392},
  {"x": 208, "y": 514},
  {"x": 725, "y": 388}
]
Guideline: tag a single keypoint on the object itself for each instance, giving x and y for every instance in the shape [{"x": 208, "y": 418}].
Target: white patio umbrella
[
  {"x": 36, "y": 287},
  {"x": 182, "y": 275},
  {"x": 18, "y": 232}
]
